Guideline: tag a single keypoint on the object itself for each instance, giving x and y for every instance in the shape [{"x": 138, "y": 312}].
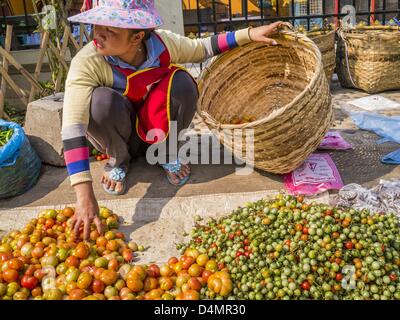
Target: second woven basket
[
  {"x": 283, "y": 87},
  {"x": 325, "y": 41},
  {"x": 368, "y": 58}
]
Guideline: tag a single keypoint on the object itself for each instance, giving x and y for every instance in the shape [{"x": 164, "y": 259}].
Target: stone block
[{"x": 43, "y": 127}]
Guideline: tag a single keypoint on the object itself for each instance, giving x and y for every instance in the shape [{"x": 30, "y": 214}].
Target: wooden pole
[
  {"x": 62, "y": 55},
  {"x": 42, "y": 53},
  {"x": 81, "y": 33},
  {"x": 87, "y": 35},
  {"x": 71, "y": 37},
  {"x": 57, "y": 54},
  {"x": 20, "y": 68},
  {"x": 3, "y": 85},
  {"x": 20, "y": 92}
]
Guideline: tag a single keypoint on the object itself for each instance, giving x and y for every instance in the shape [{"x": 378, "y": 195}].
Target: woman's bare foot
[
  {"x": 177, "y": 177},
  {"x": 111, "y": 184}
]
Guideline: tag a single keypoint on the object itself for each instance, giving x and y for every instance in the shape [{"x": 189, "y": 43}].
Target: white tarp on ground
[{"x": 156, "y": 223}]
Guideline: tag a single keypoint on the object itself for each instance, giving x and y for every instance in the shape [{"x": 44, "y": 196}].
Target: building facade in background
[{"x": 218, "y": 15}]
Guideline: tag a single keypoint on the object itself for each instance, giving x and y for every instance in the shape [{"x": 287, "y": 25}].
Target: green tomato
[
  {"x": 61, "y": 268},
  {"x": 3, "y": 289},
  {"x": 50, "y": 214},
  {"x": 12, "y": 288},
  {"x": 62, "y": 254}
]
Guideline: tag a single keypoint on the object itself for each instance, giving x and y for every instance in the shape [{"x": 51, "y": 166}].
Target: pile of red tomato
[
  {"x": 43, "y": 260},
  {"x": 99, "y": 156}
]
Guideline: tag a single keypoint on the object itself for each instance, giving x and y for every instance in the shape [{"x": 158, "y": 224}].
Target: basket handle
[
  {"x": 346, "y": 53},
  {"x": 287, "y": 26}
]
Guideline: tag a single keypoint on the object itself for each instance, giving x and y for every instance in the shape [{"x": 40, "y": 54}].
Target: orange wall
[
  {"x": 17, "y": 7},
  {"x": 236, "y": 5}
]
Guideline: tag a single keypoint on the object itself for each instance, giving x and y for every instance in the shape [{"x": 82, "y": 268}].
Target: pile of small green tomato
[{"x": 286, "y": 249}]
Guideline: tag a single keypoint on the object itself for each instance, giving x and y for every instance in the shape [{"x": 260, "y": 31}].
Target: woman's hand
[
  {"x": 262, "y": 33},
  {"x": 83, "y": 8},
  {"x": 86, "y": 211}
]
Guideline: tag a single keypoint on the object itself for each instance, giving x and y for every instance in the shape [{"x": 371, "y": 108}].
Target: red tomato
[
  {"x": 246, "y": 242},
  {"x": 103, "y": 156},
  {"x": 29, "y": 282},
  {"x": 155, "y": 270},
  {"x": 393, "y": 277},
  {"x": 231, "y": 236},
  {"x": 329, "y": 212},
  {"x": 98, "y": 286},
  {"x": 306, "y": 285},
  {"x": 113, "y": 264},
  {"x": 187, "y": 263},
  {"x": 305, "y": 230},
  {"x": 206, "y": 274},
  {"x": 49, "y": 223},
  {"x": 349, "y": 245},
  {"x": 72, "y": 261},
  {"x": 15, "y": 264},
  {"x": 10, "y": 275},
  {"x": 238, "y": 232},
  {"x": 30, "y": 270},
  {"x": 172, "y": 261},
  {"x": 194, "y": 284},
  {"x": 127, "y": 254},
  {"x": 39, "y": 274},
  {"x": 339, "y": 276},
  {"x": 5, "y": 256}
]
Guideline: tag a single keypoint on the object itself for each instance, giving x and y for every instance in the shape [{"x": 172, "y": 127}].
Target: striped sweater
[{"x": 89, "y": 70}]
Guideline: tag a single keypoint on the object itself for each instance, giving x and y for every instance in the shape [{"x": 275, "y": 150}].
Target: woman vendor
[{"x": 124, "y": 85}]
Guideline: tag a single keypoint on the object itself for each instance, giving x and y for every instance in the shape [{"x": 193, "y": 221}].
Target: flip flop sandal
[
  {"x": 118, "y": 175},
  {"x": 175, "y": 167}
]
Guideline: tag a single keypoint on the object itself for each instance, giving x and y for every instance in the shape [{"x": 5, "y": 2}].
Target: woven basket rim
[
  {"x": 360, "y": 30},
  {"x": 319, "y": 34},
  {"x": 294, "y": 36}
]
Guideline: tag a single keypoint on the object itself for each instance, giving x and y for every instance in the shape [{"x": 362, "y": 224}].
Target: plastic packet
[
  {"x": 334, "y": 141},
  {"x": 385, "y": 197},
  {"x": 316, "y": 175}
]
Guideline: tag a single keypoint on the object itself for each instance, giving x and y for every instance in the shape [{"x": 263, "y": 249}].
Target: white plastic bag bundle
[{"x": 383, "y": 198}]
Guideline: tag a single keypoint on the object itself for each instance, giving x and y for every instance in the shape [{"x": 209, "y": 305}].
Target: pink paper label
[{"x": 316, "y": 175}]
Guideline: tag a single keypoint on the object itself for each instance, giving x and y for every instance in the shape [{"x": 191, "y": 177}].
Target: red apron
[{"x": 149, "y": 90}]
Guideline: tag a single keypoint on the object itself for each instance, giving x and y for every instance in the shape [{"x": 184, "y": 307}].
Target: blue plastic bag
[
  {"x": 19, "y": 164},
  {"x": 392, "y": 158},
  {"x": 10, "y": 152},
  {"x": 384, "y": 126}
]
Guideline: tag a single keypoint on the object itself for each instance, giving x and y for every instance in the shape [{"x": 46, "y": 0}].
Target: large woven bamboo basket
[
  {"x": 284, "y": 88},
  {"x": 368, "y": 58},
  {"x": 325, "y": 41}
]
